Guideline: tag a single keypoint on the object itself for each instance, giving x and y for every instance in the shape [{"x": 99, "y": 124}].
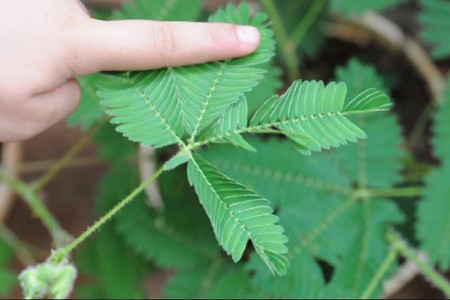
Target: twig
[{"x": 67, "y": 158}]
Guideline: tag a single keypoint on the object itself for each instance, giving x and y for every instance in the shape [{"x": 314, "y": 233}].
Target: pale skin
[{"x": 46, "y": 44}]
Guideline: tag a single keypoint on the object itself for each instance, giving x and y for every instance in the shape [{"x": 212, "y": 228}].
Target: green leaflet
[
  {"x": 239, "y": 215},
  {"x": 233, "y": 121},
  {"x": 313, "y": 115},
  {"x": 162, "y": 107},
  {"x": 356, "y": 8},
  {"x": 382, "y": 150},
  {"x": 433, "y": 225},
  {"x": 160, "y": 10},
  {"x": 434, "y": 20}
]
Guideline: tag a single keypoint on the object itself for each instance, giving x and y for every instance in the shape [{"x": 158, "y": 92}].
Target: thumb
[{"x": 142, "y": 45}]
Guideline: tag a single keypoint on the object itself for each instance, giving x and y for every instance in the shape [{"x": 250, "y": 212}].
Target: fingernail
[{"x": 248, "y": 34}]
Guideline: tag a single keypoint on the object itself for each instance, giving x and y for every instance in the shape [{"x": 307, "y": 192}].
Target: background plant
[{"x": 342, "y": 223}]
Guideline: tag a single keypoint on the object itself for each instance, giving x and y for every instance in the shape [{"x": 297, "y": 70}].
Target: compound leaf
[
  {"x": 239, "y": 215},
  {"x": 162, "y": 107},
  {"x": 433, "y": 225},
  {"x": 314, "y": 116}
]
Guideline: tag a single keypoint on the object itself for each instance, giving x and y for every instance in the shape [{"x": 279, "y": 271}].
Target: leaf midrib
[
  {"x": 157, "y": 113},
  {"x": 237, "y": 220},
  {"x": 212, "y": 89},
  {"x": 255, "y": 128}
]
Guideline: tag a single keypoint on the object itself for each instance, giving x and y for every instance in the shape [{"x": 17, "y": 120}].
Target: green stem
[
  {"x": 307, "y": 21},
  {"x": 267, "y": 128},
  {"x": 404, "y": 249},
  {"x": 404, "y": 192},
  {"x": 286, "y": 45},
  {"x": 59, "y": 235},
  {"x": 67, "y": 158},
  {"x": 381, "y": 273},
  {"x": 62, "y": 253}
]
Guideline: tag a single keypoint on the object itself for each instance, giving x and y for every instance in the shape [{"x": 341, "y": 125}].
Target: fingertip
[{"x": 248, "y": 35}]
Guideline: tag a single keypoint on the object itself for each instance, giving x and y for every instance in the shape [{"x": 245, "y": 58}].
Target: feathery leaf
[
  {"x": 162, "y": 107},
  {"x": 239, "y": 215},
  {"x": 434, "y": 20},
  {"x": 433, "y": 225}
]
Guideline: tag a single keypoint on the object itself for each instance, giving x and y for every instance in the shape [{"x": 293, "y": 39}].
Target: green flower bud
[{"x": 48, "y": 279}]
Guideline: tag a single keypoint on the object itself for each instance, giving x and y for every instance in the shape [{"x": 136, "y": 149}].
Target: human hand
[{"x": 46, "y": 44}]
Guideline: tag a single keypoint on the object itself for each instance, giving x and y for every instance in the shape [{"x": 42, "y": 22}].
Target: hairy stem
[
  {"x": 390, "y": 259},
  {"x": 307, "y": 21},
  {"x": 267, "y": 128},
  {"x": 59, "y": 235},
  {"x": 404, "y": 249},
  {"x": 62, "y": 253},
  {"x": 67, "y": 158},
  {"x": 286, "y": 45}
]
